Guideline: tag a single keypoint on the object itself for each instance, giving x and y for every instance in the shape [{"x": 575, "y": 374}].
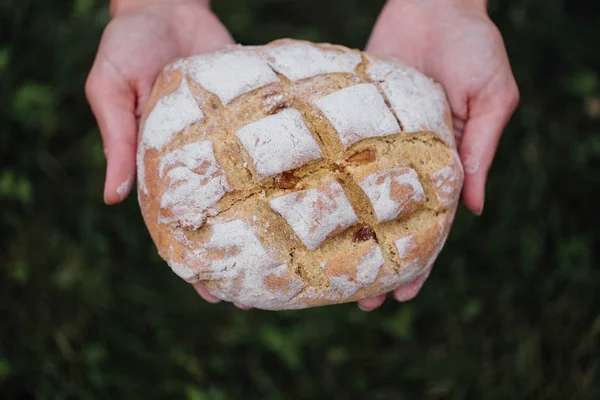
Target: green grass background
[{"x": 88, "y": 310}]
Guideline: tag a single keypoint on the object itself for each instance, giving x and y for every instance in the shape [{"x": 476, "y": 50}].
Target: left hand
[{"x": 455, "y": 43}]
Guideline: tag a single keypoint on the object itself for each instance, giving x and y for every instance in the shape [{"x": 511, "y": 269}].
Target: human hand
[
  {"x": 455, "y": 43},
  {"x": 143, "y": 37}
]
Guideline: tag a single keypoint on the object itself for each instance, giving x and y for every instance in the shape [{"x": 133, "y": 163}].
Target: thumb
[
  {"x": 489, "y": 113},
  {"x": 113, "y": 103}
]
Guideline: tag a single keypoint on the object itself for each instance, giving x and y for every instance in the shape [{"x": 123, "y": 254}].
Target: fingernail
[
  {"x": 364, "y": 309},
  {"x": 105, "y": 199},
  {"x": 106, "y": 196},
  {"x": 125, "y": 187},
  {"x": 403, "y": 298},
  {"x": 478, "y": 213},
  {"x": 407, "y": 293}
]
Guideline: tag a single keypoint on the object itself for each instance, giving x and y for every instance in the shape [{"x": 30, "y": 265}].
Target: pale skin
[{"x": 453, "y": 41}]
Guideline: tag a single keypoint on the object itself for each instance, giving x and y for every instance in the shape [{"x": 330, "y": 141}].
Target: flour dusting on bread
[
  {"x": 418, "y": 101},
  {"x": 315, "y": 214},
  {"x": 235, "y": 258},
  {"x": 172, "y": 114},
  {"x": 296, "y": 175},
  {"x": 231, "y": 72},
  {"x": 299, "y": 60},
  {"x": 393, "y": 192},
  {"x": 195, "y": 184},
  {"x": 447, "y": 182},
  {"x": 358, "y": 112},
  {"x": 279, "y": 143}
]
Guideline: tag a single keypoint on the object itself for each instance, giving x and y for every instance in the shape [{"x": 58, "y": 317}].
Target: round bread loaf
[{"x": 295, "y": 174}]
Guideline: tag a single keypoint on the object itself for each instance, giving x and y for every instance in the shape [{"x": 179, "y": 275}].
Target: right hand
[{"x": 142, "y": 38}]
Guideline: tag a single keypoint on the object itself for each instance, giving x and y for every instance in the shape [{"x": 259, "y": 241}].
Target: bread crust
[{"x": 296, "y": 174}]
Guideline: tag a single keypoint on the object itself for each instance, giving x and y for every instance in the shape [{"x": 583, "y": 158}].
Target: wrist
[
  {"x": 475, "y": 4},
  {"x": 478, "y": 5},
  {"x": 121, "y": 7}
]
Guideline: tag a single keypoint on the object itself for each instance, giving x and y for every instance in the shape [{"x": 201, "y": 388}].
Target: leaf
[
  {"x": 14, "y": 186},
  {"x": 34, "y": 107},
  {"x": 193, "y": 393},
  {"x": 583, "y": 83},
  {"x": 4, "y": 368},
  {"x": 310, "y": 33},
  {"x": 94, "y": 354},
  {"x": 83, "y": 8},
  {"x": 18, "y": 271},
  {"x": 400, "y": 325},
  {"x": 471, "y": 310},
  {"x": 212, "y": 393},
  {"x": 5, "y": 57},
  {"x": 281, "y": 345}
]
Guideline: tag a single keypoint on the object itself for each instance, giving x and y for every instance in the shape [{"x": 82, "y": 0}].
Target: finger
[
  {"x": 371, "y": 303},
  {"x": 242, "y": 307},
  {"x": 204, "y": 293},
  {"x": 113, "y": 104},
  {"x": 410, "y": 290},
  {"x": 488, "y": 116}
]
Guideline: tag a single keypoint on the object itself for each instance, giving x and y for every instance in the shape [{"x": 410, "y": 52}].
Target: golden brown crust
[{"x": 340, "y": 208}]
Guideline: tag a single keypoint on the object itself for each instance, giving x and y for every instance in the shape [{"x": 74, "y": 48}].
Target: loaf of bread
[{"x": 295, "y": 174}]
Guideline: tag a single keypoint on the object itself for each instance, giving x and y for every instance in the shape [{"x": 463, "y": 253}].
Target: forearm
[{"x": 127, "y": 6}]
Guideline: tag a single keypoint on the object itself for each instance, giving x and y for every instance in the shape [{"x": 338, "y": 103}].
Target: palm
[
  {"x": 461, "y": 48},
  {"x": 471, "y": 61},
  {"x": 135, "y": 48}
]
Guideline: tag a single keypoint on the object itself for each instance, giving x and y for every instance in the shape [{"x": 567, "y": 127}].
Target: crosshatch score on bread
[{"x": 296, "y": 175}]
